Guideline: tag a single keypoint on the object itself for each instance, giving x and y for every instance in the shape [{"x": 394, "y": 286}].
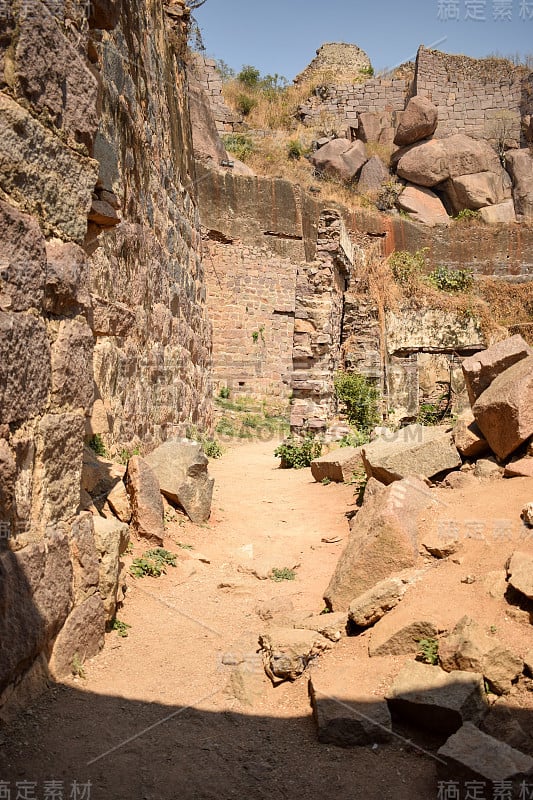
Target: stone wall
[
  {"x": 153, "y": 337},
  {"x": 99, "y": 245},
  {"x": 316, "y": 354},
  {"x": 48, "y": 119},
  {"x": 484, "y": 98},
  {"x": 481, "y": 98},
  {"x": 206, "y": 73},
  {"x": 344, "y": 102},
  {"x": 251, "y": 295}
]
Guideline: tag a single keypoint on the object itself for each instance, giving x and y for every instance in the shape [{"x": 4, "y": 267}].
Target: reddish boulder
[{"x": 418, "y": 121}]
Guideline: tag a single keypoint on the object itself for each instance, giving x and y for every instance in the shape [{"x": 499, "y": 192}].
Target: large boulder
[
  {"x": 500, "y": 214},
  {"x": 423, "y": 206},
  {"x": 418, "y": 121},
  {"x": 340, "y": 159},
  {"x": 478, "y": 189},
  {"x": 338, "y": 466},
  {"x": 345, "y": 716},
  {"x": 145, "y": 500},
  {"x": 414, "y": 450},
  {"x": 382, "y": 542},
  {"x": 287, "y": 652},
  {"x": 471, "y": 755},
  {"x": 373, "y": 604},
  {"x": 111, "y": 538},
  {"x": 520, "y": 167},
  {"x": 376, "y": 127},
  {"x": 436, "y": 700},
  {"x": 432, "y": 162},
  {"x": 480, "y": 369},
  {"x": 467, "y": 437},
  {"x": 181, "y": 469},
  {"x": 81, "y": 637},
  {"x": 470, "y": 649},
  {"x": 504, "y": 412},
  {"x": 373, "y": 175},
  {"x": 520, "y": 573},
  {"x": 393, "y": 638}
]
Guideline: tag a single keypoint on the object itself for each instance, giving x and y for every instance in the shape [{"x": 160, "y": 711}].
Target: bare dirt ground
[{"x": 164, "y": 713}]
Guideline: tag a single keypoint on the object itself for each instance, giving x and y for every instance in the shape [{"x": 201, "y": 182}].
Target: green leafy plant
[
  {"x": 467, "y": 215},
  {"x": 407, "y": 266},
  {"x": 367, "y": 71},
  {"x": 77, "y": 667},
  {"x": 295, "y": 150},
  {"x": 239, "y": 144},
  {"x": 125, "y": 454},
  {"x": 428, "y": 651},
  {"x": 282, "y": 574},
  {"x": 120, "y": 627},
  {"x": 153, "y": 563},
  {"x": 353, "y": 439},
  {"x": 224, "y": 393},
  {"x": 245, "y": 104},
  {"x": 249, "y": 76},
  {"x": 429, "y": 414},
  {"x": 296, "y": 454},
  {"x": 325, "y": 481},
  {"x": 360, "y": 399},
  {"x": 97, "y": 445},
  {"x": 212, "y": 448},
  {"x": 184, "y": 546},
  {"x": 451, "y": 280}
]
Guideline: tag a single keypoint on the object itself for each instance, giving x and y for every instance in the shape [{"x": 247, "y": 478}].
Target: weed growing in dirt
[
  {"x": 283, "y": 574},
  {"x": 77, "y": 667},
  {"x": 325, "y": 481},
  {"x": 97, "y": 445},
  {"x": 153, "y": 563},
  {"x": 212, "y": 448},
  {"x": 354, "y": 439},
  {"x": 428, "y": 651},
  {"x": 120, "y": 627},
  {"x": 296, "y": 454},
  {"x": 184, "y": 546}
]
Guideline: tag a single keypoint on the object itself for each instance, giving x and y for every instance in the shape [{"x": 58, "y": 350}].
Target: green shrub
[
  {"x": 224, "y": 393},
  {"x": 211, "y": 448},
  {"x": 97, "y": 445},
  {"x": 451, "y": 280},
  {"x": 295, "y": 150},
  {"x": 428, "y": 651},
  {"x": 407, "y": 266},
  {"x": 360, "y": 399},
  {"x": 283, "y": 574},
  {"x": 249, "y": 76},
  {"x": 467, "y": 215},
  {"x": 367, "y": 71},
  {"x": 296, "y": 454},
  {"x": 120, "y": 627},
  {"x": 354, "y": 439},
  {"x": 152, "y": 562},
  {"x": 429, "y": 414},
  {"x": 245, "y": 104},
  {"x": 239, "y": 144}
]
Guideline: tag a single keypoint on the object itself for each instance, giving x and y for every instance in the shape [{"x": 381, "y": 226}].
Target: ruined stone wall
[
  {"x": 320, "y": 288},
  {"x": 481, "y": 98},
  {"x": 153, "y": 338},
  {"x": 343, "y": 102},
  {"x": 206, "y": 72},
  {"x": 484, "y": 98},
  {"x": 90, "y": 163},
  {"x": 251, "y": 295}
]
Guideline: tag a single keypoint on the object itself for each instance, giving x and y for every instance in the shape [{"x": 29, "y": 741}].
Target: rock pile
[{"x": 436, "y": 178}]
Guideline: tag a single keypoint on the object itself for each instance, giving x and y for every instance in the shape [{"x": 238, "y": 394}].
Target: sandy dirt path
[{"x": 160, "y": 714}]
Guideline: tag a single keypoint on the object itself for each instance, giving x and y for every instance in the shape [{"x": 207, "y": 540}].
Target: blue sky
[{"x": 282, "y": 35}]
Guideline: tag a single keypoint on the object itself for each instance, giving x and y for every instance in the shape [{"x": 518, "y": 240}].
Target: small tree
[
  {"x": 249, "y": 76},
  {"x": 360, "y": 399},
  {"x": 503, "y": 132}
]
